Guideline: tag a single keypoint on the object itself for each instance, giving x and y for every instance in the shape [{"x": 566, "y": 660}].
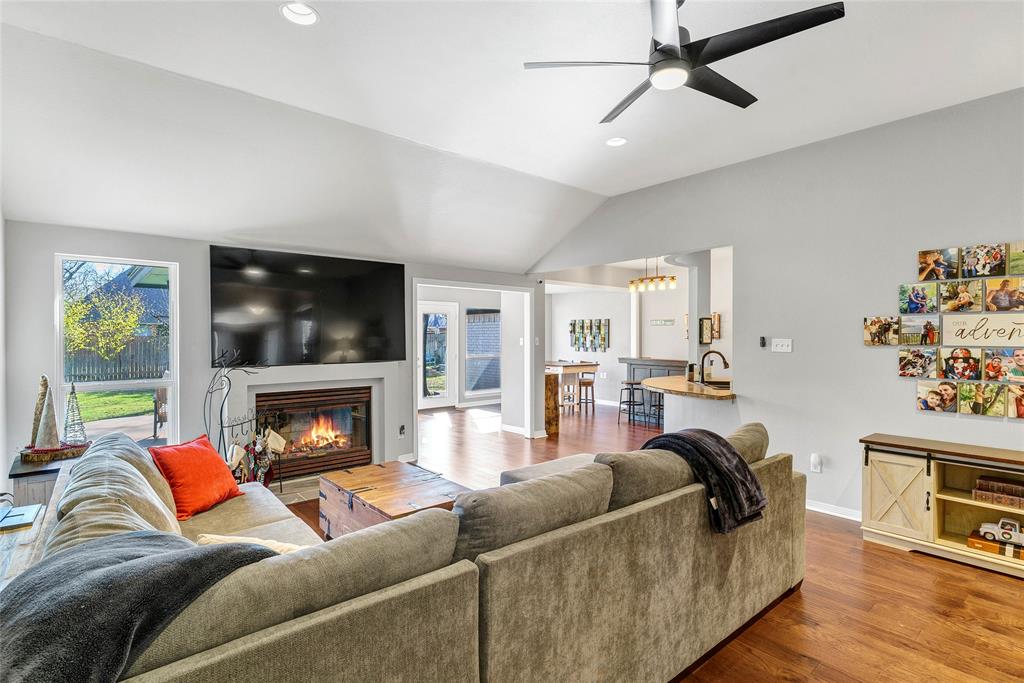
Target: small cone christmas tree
[
  {"x": 74, "y": 428},
  {"x": 46, "y": 437}
]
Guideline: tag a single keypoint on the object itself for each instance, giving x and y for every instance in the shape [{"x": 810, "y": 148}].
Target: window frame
[
  {"x": 467, "y": 356},
  {"x": 61, "y": 387}
]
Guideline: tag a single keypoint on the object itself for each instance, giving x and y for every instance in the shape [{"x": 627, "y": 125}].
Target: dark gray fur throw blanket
[
  {"x": 735, "y": 496},
  {"x": 86, "y": 613}
]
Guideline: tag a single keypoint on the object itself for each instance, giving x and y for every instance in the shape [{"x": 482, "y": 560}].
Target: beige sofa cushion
[
  {"x": 122, "y": 447},
  {"x": 279, "y": 547},
  {"x": 94, "y": 518},
  {"x": 291, "y": 530},
  {"x": 104, "y": 476},
  {"x": 257, "y": 507},
  {"x": 281, "y": 588},
  {"x": 639, "y": 475},
  {"x": 543, "y": 469},
  {"x": 496, "y": 517}
]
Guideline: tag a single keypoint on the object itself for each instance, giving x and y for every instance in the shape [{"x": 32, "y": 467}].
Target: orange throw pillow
[{"x": 198, "y": 476}]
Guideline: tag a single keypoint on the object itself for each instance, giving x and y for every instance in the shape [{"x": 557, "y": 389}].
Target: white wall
[
  {"x": 593, "y": 304},
  {"x": 823, "y": 235},
  {"x": 721, "y": 303},
  {"x": 30, "y": 298},
  {"x": 8, "y": 451},
  {"x": 667, "y": 341},
  {"x": 465, "y": 298},
  {"x": 513, "y": 353}
]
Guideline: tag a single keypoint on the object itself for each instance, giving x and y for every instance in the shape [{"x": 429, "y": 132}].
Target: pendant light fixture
[{"x": 650, "y": 283}]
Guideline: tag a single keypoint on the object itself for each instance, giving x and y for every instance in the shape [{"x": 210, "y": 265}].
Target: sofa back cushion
[
  {"x": 639, "y": 475},
  {"x": 285, "y": 587},
  {"x": 122, "y": 447},
  {"x": 496, "y": 517},
  {"x": 91, "y": 519},
  {"x": 107, "y": 477}
]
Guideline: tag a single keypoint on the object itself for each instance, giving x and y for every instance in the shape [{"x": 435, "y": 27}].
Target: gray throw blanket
[
  {"x": 735, "y": 496},
  {"x": 86, "y": 613}
]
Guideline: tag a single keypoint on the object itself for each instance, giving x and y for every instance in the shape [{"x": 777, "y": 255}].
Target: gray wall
[
  {"x": 513, "y": 355},
  {"x": 31, "y": 347},
  {"x": 593, "y": 304},
  {"x": 465, "y": 298},
  {"x": 8, "y": 452},
  {"x": 822, "y": 235}
]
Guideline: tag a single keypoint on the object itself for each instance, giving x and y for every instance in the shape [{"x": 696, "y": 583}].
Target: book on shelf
[{"x": 976, "y": 542}]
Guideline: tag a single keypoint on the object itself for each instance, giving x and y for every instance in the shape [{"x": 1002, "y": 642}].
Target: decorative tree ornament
[
  {"x": 44, "y": 389},
  {"x": 46, "y": 437},
  {"x": 74, "y": 428}
]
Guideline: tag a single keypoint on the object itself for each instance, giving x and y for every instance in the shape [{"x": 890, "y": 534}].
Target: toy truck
[{"x": 1007, "y": 530}]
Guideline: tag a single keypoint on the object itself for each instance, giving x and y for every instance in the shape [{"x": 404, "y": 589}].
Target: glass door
[{"x": 437, "y": 370}]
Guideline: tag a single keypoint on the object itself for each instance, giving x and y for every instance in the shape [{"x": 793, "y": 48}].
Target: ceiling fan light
[{"x": 670, "y": 76}]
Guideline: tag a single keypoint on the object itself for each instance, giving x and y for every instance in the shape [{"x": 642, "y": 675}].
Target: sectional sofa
[{"x": 596, "y": 568}]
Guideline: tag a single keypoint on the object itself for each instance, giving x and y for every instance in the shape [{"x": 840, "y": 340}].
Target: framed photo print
[
  {"x": 705, "y": 330},
  {"x": 983, "y": 260},
  {"x": 938, "y": 264},
  {"x": 1015, "y": 258},
  {"x": 1015, "y": 401},
  {"x": 919, "y": 330},
  {"x": 918, "y": 362},
  {"x": 961, "y": 296},
  {"x": 982, "y": 398},
  {"x": 929, "y": 398},
  {"x": 1004, "y": 294},
  {"x": 959, "y": 363},
  {"x": 919, "y": 297},
  {"x": 997, "y": 365},
  {"x": 882, "y": 330}
]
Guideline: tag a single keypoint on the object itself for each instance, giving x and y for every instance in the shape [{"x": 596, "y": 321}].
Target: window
[
  {"x": 483, "y": 349},
  {"x": 117, "y": 345}
]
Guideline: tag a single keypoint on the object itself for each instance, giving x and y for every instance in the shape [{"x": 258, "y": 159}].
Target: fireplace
[{"x": 324, "y": 429}]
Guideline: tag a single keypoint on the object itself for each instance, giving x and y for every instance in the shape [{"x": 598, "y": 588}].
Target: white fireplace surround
[{"x": 307, "y": 378}]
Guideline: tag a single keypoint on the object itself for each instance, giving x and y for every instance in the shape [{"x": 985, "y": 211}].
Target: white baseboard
[
  {"x": 408, "y": 457},
  {"x": 834, "y": 510},
  {"x": 606, "y": 402},
  {"x": 540, "y": 435},
  {"x": 521, "y": 431}
]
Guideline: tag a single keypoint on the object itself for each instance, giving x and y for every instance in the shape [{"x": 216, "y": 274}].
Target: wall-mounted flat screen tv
[{"x": 277, "y": 308}]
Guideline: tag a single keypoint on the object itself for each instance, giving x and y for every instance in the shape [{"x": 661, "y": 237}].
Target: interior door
[
  {"x": 898, "y": 495},
  {"x": 437, "y": 363}
]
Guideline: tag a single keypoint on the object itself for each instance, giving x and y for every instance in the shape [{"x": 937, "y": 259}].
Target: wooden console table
[{"x": 917, "y": 495}]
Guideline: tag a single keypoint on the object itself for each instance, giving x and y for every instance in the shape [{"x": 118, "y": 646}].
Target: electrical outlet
[
  {"x": 816, "y": 464},
  {"x": 782, "y": 345}
]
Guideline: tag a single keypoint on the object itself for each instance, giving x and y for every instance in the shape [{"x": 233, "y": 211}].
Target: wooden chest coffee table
[{"x": 359, "y": 497}]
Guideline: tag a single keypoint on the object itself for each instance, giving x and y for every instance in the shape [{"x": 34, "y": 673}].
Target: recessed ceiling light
[
  {"x": 616, "y": 142},
  {"x": 299, "y": 13}
]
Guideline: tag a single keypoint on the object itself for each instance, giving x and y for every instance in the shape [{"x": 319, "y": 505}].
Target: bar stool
[
  {"x": 656, "y": 412},
  {"x": 586, "y": 391},
  {"x": 631, "y": 397},
  {"x": 568, "y": 397}
]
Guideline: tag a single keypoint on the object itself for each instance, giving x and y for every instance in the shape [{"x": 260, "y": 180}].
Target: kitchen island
[{"x": 689, "y": 404}]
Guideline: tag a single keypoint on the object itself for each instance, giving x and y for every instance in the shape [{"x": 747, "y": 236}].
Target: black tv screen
[{"x": 276, "y": 308}]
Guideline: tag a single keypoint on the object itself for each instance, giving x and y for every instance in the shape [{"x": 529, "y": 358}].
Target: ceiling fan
[{"x": 675, "y": 61}]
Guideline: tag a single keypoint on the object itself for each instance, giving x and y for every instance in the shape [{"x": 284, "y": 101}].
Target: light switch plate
[{"x": 782, "y": 345}]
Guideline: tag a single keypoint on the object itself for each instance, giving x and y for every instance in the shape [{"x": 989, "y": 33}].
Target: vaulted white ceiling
[
  {"x": 475, "y": 161},
  {"x": 449, "y": 74}
]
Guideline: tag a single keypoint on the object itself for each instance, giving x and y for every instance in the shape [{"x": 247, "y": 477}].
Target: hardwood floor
[{"x": 865, "y": 612}]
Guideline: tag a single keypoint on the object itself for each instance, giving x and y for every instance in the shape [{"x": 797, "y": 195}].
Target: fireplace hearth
[{"x": 324, "y": 429}]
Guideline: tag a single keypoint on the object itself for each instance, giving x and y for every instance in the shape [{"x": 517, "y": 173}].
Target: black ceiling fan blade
[
  {"x": 703, "y": 79},
  {"x": 559, "y": 65},
  {"x": 708, "y": 50},
  {"x": 626, "y": 101}
]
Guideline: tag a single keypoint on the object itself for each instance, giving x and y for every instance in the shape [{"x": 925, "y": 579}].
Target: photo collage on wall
[
  {"x": 979, "y": 369},
  {"x": 589, "y": 334}
]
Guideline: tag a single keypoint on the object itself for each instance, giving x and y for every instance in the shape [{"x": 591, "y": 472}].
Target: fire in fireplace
[{"x": 323, "y": 429}]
